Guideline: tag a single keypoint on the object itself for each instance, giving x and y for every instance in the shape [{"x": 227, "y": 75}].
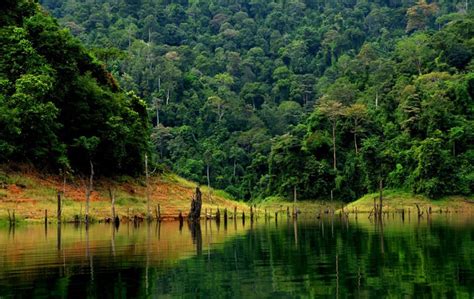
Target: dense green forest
[
  {"x": 256, "y": 97},
  {"x": 59, "y": 108}
]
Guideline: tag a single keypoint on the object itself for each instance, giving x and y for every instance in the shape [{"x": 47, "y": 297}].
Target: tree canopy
[
  {"x": 59, "y": 106},
  {"x": 324, "y": 96}
]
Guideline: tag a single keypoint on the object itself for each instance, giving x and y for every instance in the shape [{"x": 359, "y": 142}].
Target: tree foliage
[
  {"x": 59, "y": 105},
  {"x": 240, "y": 88}
]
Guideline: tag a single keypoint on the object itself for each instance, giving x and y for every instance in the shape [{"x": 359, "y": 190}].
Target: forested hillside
[
  {"x": 59, "y": 108},
  {"x": 322, "y": 97}
]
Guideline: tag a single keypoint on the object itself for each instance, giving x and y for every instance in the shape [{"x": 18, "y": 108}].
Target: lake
[{"x": 308, "y": 258}]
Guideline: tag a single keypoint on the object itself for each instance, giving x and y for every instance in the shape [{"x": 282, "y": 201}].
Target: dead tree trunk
[
  {"x": 334, "y": 145},
  {"x": 380, "y": 198},
  {"x": 158, "y": 213},
  {"x": 112, "y": 198},
  {"x": 196, "y": 204},
  {"x": 89, "y": 190},
  {"x": 295, "y": 213},
  {"x": 420, "y": 213},
  {"x": 115, "y": 219},
  {"x": 208, "y": 182},
  {"x": 147, "y": 177},
  {"x": 59, "y": 207}
]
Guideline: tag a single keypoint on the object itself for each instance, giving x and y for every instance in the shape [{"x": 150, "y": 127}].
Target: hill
[
  {"x": 29, "y": 193},
  {"x": 328, "y": 98}
]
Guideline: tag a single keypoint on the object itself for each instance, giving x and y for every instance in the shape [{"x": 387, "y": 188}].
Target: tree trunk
[
  {"x": 64, "y": 184},
  {"x": 208, "y": 182},
  {"x": 355, "y": 143},
  {"x": 294, "y": 201},
  {"x": 196, "y": 203},
  {"x": 334, "y": 144},
  {"x": 147, "y": 189},
  {"x": 59, "y": 207},
  {"x": 89, "y": 190},
  {"x": 355, "y": 135},
  {"x": 157, "y": 115},
  {"x": 380, "y": 197},
  {"x": 112, "y": 199}
]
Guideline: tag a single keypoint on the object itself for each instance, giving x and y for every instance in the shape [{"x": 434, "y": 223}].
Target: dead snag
[
  {"x": 420, "y": 213},
  {"x": 196, "y": 204}
]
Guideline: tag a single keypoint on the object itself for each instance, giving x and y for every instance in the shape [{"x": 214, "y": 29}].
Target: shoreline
[{"x": 32, "y": 196}]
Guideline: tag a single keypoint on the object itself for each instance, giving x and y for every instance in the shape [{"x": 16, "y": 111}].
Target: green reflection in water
[{"x": 319, "y": 258}]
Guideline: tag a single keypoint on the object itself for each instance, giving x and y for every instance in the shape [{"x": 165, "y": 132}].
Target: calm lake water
[{"x": 329, "y": 258}]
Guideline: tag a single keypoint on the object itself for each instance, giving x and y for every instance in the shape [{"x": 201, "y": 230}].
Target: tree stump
[{"x": 196, "y": 203}]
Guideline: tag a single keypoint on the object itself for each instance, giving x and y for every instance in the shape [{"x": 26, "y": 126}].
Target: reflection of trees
[
  {"x": 349, "y": 260},
  {"x": 353, "y": 261}
]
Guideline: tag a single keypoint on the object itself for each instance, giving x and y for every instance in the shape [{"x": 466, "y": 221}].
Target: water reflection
[
  {"x": 195, "y": 228},
  {"x": 330, "y": 257}
]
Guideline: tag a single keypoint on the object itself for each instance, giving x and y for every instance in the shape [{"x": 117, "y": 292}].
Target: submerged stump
[{"x": 196, "y": 204}]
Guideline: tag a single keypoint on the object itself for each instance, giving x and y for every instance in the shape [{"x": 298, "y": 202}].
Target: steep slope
[{"x": 29, "y": 193}]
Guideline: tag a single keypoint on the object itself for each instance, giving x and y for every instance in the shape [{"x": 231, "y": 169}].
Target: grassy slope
[
  {"x": 275, "y": 203},
  {"x": 394, "y": 200},
  {"x": 30, "y": 193}
]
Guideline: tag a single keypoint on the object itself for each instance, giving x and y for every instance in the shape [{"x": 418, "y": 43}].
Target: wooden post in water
[
  {"x": 251, "y": 214},
  {"x": 147, "y": 178},
  {"x": 420, "y": 213},
  {"x": 288, "y": 212},
  {"x": 225, "y": 215},
  {"x": 218, "y": 215},
  {"x": 295, "y": 213},
  {"x": 59, "y": 207},
  {"x": 89, "y": 189},
  {"x": 276, "y": 216},
  {"x": 235, "y": 212},
  {"x": 9, "y": 217},
  {"x": 46, "y": 217},
  {"x": 158, "y": 213},
  {"x": 375, "y": 208},
  {"x": 381, "y": 197},
  {"x": 112, "y": 201}
]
